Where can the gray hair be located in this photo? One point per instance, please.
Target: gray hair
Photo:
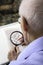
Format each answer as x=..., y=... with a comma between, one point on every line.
x=32, y=11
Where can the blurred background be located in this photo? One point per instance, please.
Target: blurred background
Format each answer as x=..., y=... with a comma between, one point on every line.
x=9, y=11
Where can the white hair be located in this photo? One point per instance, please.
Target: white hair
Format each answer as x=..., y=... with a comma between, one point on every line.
x=32, y=11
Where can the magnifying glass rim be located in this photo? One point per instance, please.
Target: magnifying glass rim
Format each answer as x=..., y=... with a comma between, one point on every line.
x=13, y=42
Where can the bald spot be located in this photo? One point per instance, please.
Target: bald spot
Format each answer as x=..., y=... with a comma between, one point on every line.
x=32, y=11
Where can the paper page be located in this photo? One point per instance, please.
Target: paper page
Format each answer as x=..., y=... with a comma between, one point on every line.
x=5, y=44
x=4, y=47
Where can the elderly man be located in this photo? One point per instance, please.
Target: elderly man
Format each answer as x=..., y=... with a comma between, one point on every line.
x=31, y=13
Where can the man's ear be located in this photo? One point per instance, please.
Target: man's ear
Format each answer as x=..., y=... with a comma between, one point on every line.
x=25, y=25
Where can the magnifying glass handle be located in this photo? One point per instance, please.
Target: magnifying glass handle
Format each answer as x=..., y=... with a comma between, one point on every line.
x=15, y=49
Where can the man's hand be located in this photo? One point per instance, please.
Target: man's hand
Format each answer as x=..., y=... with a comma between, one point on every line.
x=13, y=54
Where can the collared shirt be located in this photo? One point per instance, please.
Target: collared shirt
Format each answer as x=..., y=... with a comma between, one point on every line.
x=31, y=55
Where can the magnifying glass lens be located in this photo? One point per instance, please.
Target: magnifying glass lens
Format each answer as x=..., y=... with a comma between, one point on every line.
x=16, y=38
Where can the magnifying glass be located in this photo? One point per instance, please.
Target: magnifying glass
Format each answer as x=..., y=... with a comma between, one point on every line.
x=17, y=38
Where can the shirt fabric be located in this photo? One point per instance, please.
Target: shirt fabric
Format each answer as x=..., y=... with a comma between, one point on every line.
x=31, y=55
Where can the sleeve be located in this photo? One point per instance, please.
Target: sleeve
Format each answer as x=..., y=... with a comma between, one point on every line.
x=34, y=59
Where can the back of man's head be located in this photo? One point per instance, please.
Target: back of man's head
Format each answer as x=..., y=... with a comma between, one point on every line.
x=32, y=11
